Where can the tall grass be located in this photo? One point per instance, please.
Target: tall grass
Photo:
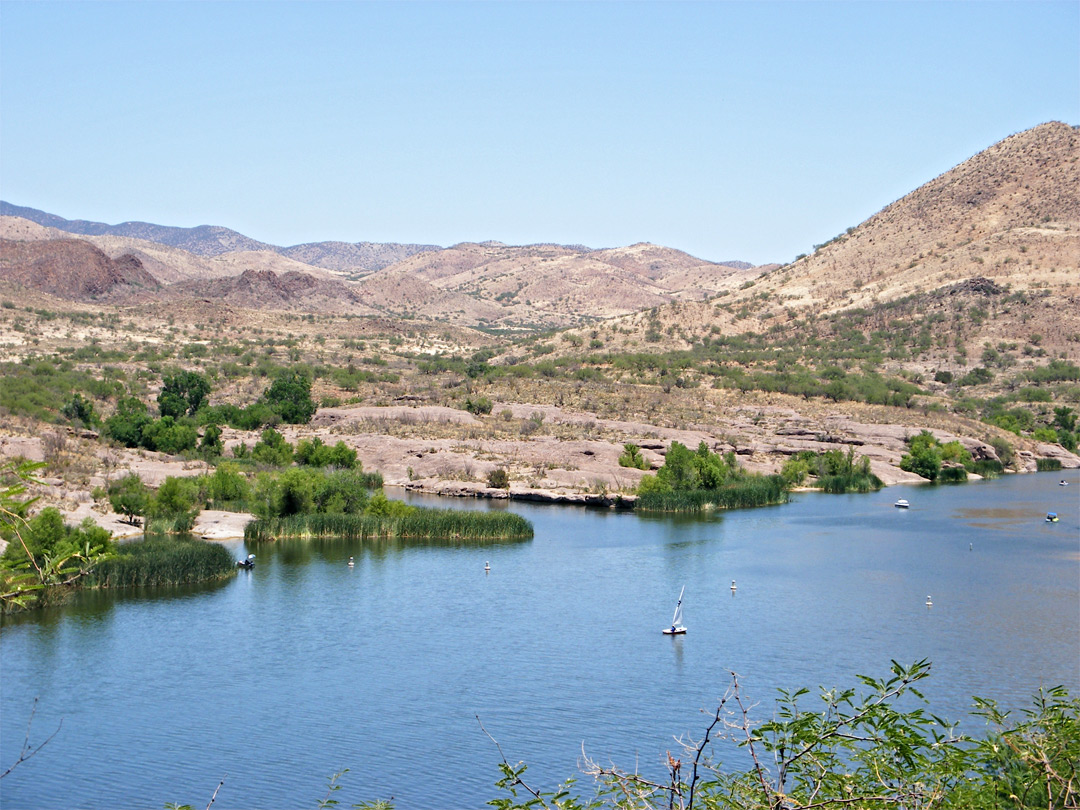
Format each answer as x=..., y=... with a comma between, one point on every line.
x=422, y=523
x=742, y=494
x=952, y=475
x=1047, y=464
x=855, y=482
x=163, y=561
x=987, y=468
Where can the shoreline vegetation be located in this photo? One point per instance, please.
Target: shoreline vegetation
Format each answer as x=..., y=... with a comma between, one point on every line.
x=417, y=523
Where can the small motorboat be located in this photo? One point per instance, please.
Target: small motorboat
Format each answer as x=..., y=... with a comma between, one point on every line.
x=1051, y=517
x=1063, y=483
x=249, y=562
x=902, y=504
x=676, y=628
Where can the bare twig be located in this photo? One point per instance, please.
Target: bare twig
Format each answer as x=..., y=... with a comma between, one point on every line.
x=214, y=797
x=517, y=779
x=27, y=751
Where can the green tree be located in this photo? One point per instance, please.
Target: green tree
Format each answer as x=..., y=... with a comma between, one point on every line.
x=182, y=393
x=679, y=471
x=290, y=397
x=127, y=422
x=211, y=444
x=129, y=496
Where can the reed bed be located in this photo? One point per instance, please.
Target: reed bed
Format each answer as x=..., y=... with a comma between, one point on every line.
x=839, y=484
x=952, y=475
x=987, y=468
x=1048, y=464
x=422, y=523
x=743, y=494
x=163, y=561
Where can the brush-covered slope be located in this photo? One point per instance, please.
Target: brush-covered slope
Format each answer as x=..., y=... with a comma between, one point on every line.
x=989, y=251
x=550, y=285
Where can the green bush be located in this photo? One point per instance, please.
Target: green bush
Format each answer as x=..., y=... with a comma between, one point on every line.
x=631, y=457
x=272, y=449
x=499, y=478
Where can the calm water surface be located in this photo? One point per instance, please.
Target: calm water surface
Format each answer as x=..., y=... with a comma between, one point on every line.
x=304, y=666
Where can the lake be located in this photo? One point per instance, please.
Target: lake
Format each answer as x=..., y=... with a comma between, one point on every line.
x=305, y=666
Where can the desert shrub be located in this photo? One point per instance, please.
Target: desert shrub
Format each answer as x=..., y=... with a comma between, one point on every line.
x=499, y=478
x=182, y=393
x=177, y=502
x=478, y=406
x=631, y=457
x=79, y=409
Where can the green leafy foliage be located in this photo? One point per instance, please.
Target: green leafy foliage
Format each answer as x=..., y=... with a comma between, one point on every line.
x=272, y=449
x=631, y=457
x=129, y=497
x=289, y=396
x=313, y=453
x=924, y=458
x=182, y=393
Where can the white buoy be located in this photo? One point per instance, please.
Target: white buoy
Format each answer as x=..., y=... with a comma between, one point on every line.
x=351, y=563
x=929, y=601
x=971, y=547
x=733, y=586
x=487, y=566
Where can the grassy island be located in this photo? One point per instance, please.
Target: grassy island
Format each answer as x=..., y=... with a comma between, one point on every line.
x=700, y=480
x=411, y=523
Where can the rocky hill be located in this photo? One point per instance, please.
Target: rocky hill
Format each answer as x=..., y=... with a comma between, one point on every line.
x=990, y=249
x=73, y=269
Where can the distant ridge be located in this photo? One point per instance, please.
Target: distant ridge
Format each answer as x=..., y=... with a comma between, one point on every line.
x=214, y=240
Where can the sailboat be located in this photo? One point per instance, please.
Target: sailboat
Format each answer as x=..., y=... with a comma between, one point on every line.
x=676, y=628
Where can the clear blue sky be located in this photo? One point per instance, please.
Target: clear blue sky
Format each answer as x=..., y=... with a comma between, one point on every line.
x=731, y=130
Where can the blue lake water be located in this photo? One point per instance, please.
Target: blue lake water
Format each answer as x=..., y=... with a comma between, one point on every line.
x=303, y=667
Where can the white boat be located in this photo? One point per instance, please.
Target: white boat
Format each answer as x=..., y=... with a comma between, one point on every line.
x=902, y=504
x=676, y=628
x=1063, y=483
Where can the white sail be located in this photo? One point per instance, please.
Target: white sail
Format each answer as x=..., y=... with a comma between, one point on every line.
x=676, y=621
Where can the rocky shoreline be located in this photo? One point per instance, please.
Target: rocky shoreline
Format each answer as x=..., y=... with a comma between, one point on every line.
x=552, y=455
